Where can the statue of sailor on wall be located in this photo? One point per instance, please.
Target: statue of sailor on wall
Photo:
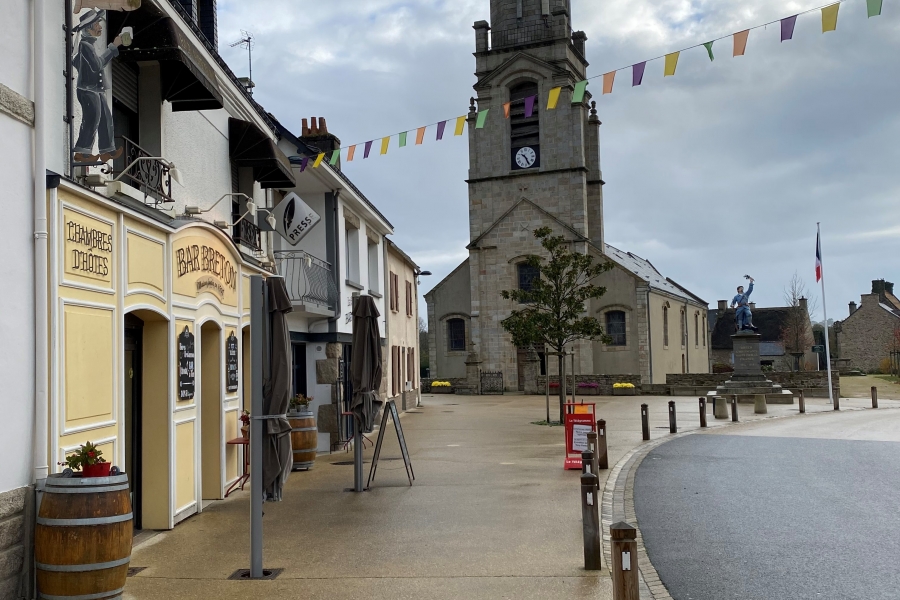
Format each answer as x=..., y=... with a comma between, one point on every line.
x=743, y=318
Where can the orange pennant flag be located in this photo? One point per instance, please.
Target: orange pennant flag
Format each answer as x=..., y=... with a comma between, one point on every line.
x=608, y=79
x=740, y=42
x=506, y=110
x=351, y=152
x=420, y=135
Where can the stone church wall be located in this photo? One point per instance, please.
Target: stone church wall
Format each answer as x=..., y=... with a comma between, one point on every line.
x=866, y=336
x=450, y=300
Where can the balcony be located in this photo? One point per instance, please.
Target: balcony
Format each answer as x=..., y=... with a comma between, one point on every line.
x=149, y=177
x=309, y=280
x=520, y=36
x=247, y=234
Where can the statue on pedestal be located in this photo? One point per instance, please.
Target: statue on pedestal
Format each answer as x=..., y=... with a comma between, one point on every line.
x=743, y=318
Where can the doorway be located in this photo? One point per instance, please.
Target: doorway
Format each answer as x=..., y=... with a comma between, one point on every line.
x=298, y=354
x=211, y=444
x=134, y=330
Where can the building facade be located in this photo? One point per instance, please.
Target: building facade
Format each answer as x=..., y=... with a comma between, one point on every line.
x=402, y=328
x=541, y=168
x=871, y=332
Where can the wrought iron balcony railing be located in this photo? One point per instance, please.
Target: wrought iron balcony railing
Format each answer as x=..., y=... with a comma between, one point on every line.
x=309, y=280
x=151, y=177
x=248, y=234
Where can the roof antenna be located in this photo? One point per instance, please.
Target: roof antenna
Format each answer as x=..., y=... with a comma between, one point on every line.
x=246, y=41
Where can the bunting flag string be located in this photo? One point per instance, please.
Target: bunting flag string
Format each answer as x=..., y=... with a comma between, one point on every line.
x=829, y=15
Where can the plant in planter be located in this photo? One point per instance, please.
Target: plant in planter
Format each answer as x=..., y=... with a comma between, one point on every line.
x=623, y=389
x=588, y=388
x=245, y=419
x=300, y=404
x=441, y=387
x=89, y=460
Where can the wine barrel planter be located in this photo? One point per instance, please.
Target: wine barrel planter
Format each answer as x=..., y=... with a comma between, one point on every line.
x=303, y=439
x=83, y=536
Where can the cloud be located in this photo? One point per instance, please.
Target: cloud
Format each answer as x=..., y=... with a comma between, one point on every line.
x=722, y=170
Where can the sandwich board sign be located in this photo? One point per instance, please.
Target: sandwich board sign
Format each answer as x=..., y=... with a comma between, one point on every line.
x=294, y=218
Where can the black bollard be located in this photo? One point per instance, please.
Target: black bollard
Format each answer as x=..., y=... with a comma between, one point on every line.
x=645, y=422
x=601, y=454
x=874, y=397
x=587, y=463
x=673, y=427
x=702, y=412
x=590, y=517
x=734, y=412
x=802, y=402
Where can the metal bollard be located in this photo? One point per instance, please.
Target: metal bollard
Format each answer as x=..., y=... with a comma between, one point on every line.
x=734, y=412
x=802, y=403
x=645, y=422
x=874, y=397
x=590, y=517
x=623, y=551
x=720, y=407
x=601, y=454
x=673, y=426
x=702, y=412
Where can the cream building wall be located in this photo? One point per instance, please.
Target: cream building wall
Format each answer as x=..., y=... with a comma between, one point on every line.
x=403, y=329
x=682, y=354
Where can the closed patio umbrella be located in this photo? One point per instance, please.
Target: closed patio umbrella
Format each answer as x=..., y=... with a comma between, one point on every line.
x=365, y=376
x=277, y=455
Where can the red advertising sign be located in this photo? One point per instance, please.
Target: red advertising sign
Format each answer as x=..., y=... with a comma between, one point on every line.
x=580, y=420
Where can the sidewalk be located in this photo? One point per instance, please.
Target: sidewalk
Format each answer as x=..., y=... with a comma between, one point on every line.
x=491, y=514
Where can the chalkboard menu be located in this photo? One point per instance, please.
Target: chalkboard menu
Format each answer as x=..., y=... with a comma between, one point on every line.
x=185, y=365
x=231, y=363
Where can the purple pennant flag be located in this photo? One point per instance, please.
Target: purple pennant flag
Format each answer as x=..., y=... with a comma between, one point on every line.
x=787, y=27
x=303, y=163
x=440, y=131
x=637, y=73
x=529, y=106
x=368, y=148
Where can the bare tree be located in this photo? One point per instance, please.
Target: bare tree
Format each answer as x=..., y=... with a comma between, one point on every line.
x=796, y=333
x=424, y=348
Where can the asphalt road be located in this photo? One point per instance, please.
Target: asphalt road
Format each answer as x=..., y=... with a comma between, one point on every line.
x=753, y=517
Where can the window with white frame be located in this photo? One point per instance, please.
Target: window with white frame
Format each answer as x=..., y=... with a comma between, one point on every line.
x=373, y=258
x=352, y=251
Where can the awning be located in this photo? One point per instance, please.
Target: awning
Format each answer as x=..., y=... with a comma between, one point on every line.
x=188, y=82
x=251, y=147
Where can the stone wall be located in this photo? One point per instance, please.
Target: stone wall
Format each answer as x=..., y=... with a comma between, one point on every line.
x=814, y=381
x=866, y=337
x=606, y=382
x=454, y=381
x=14, y=511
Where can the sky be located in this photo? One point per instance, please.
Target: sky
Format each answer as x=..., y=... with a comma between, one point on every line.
x=720, y=171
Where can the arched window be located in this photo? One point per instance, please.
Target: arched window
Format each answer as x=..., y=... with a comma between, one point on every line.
x=526, y=275
x=615, y=327
x=696, y=330
x=684, y=332
x=705, y=330
x=456, y=335
x=665, y=326
x=524, y=131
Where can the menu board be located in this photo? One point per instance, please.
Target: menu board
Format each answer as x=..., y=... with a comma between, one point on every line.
x=231, y=363
x=185, y=365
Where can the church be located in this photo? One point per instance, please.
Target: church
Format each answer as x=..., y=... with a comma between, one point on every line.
x=537, y=168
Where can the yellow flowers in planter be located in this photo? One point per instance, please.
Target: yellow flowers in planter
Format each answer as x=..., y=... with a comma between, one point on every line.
x=440, y=384
x=619, y=386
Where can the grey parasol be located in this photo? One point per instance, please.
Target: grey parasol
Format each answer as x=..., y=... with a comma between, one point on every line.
x=277, y=454
x=365, y=363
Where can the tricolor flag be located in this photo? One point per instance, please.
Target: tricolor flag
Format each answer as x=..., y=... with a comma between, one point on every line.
x=818, y=259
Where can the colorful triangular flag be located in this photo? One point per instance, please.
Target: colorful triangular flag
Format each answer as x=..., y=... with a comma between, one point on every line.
x=482, y=117
x=873, y=7
x=637, y=73
x=554, y=98
x=529, y=106
x=787, y=28
x=829, y=17
x=440, y=130
x=740, y=42
x=671, y=64
x=460, y=125
x=335, y=157
x=506, y=110
x=708, y=46
x=367, y=150
x=578, y=94
x=384, y=144
x=403, y=140
x=304, y=163
x=351, y=153
x=420, y=136
x=318, y=160
x=608, y=80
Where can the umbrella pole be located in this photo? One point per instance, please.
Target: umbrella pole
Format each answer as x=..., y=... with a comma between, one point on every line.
x=357, y=456
x=257, y=323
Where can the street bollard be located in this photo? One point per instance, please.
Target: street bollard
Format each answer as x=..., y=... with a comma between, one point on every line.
x=802, y=403
x=593, y=449
x=587, y=463
x=645, y=422
x=759, y=404
x=702, y=412
x=720, y=407
x=623, y=551
x=590, y=517
x=673, y=426
x=734, y=412
x=874, y=397
x=601, y=454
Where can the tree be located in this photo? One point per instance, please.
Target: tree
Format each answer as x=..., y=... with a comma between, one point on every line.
x=796, y=333
x=554, y=312
x=424, y=348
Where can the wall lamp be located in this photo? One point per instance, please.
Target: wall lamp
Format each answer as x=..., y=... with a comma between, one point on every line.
x=174, y=173
x=196, y=210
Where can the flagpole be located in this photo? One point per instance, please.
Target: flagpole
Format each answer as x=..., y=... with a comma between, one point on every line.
x=825, y=312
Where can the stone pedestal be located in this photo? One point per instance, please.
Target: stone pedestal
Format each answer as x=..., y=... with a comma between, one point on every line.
x=720, y=407
x=748, y=380
x=532, y=368
x=759, y=404
x=472, y=386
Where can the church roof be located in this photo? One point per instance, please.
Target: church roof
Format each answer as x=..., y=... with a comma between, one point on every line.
x=643, y=269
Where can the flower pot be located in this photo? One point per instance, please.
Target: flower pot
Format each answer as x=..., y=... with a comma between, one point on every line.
x=587, y=391
x=245, y=431
x=442, y=390
x=624, y=391
x=98, y=470
x=304, y=439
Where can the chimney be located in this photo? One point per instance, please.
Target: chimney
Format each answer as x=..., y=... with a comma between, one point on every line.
x=481, y=35
x=852, y=307
x=315, y=135
x=723, y=305
x=207, y=20
x=190, y=7
x=578, y=40
x=753, y=306
x=879, y=286
x=804, y=305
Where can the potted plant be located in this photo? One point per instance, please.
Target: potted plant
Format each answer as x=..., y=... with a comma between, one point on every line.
x=304, y=439
x=588, y=388
x=623, y=389
x=89, y=460
x=299, y=404
x=441, y=387
x=245, y=419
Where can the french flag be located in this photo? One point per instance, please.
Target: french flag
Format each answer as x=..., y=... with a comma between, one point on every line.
x=818, y=259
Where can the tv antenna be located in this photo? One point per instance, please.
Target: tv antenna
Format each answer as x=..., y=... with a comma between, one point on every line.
x=246, y=41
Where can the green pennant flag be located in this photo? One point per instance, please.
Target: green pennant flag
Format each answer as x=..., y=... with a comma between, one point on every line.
x=874, y=7
x=403, y=139
x=335, y=156
x=482, y=117
x=578, y=94
x=708, y=46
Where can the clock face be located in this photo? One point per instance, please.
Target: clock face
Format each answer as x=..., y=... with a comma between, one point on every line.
x=526, y=157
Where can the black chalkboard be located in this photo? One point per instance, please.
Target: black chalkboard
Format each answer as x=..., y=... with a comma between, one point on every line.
x=186, y=365
x=391, y=408
x=231, y=363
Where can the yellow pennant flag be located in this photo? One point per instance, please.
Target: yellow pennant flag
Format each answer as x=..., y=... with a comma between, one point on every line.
x=829, y=17
x=740, y=42
x=608, y=80
x=554, y=98
x=384, y=144
x=460, y=125
x=318, y=160
x=351, y=152
x=671, y=63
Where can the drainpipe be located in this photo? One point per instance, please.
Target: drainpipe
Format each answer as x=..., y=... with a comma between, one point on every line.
x=41, y=259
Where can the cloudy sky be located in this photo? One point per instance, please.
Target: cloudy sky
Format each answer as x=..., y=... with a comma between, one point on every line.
x=719, y=171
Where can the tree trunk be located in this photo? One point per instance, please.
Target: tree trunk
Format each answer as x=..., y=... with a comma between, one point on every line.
x=562, y=386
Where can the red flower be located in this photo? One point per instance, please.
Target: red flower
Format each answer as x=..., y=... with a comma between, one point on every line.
x=91, y=454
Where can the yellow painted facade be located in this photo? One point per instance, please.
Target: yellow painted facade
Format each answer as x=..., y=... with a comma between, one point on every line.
x=114, y=272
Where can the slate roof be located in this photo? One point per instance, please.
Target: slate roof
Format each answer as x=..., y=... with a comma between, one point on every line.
x=770, y=321
x=645, y=270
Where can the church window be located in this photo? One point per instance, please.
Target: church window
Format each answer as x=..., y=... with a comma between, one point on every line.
x=524, y=131
x=696, y=331
x=615, y=327
x=705, y=329
x=527, y=274
x=456, y=335
x=666, y=326
x=684, y=332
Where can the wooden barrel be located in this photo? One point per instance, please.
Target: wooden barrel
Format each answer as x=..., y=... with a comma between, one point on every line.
x=82, y=539
x=303, y=439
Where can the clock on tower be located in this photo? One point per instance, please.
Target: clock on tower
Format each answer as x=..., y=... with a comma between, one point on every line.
x=526, y=157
